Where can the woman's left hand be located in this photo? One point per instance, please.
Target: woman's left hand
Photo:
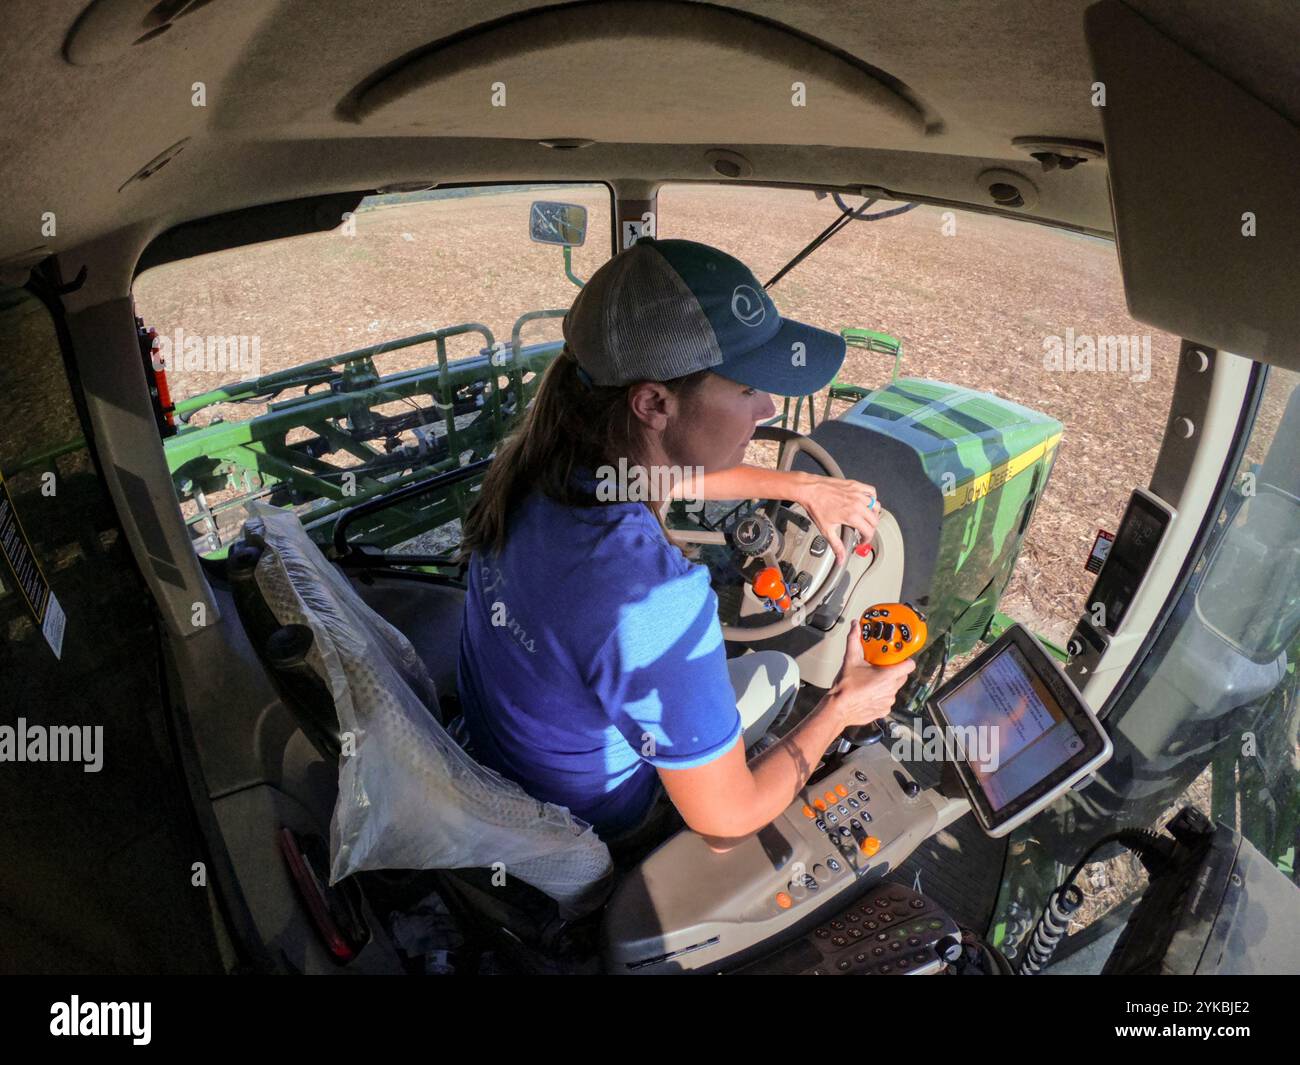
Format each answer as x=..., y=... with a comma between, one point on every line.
x=832, y=501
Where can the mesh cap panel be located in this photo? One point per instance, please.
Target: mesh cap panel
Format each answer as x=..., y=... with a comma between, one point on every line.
x=636, y=320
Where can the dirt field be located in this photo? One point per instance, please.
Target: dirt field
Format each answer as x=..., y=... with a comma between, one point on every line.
x=971, y=307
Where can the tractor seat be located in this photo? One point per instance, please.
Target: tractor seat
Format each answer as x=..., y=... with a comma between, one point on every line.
x=428, y=611
x=409, y=796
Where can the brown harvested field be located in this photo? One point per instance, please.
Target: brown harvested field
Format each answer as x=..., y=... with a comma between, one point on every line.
x=971, y=307
x=409, y=269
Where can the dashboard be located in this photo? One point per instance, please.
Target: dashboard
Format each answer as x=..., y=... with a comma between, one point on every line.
x=811, y=885
x=688, y=908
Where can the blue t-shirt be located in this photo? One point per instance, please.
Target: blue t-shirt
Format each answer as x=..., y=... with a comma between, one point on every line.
x=591, y=653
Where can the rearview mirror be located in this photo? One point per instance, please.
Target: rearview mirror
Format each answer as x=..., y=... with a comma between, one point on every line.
x=558, y=223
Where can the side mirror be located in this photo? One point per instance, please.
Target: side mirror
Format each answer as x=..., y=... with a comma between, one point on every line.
x=557, y=223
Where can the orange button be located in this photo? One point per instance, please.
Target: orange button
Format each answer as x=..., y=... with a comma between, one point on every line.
x=830, y=798
x=819, y=804
x=809, y=812
x=841, y=790
x=783, y=900
x=870, y=845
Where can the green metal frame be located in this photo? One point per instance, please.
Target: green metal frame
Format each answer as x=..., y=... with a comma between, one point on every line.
x=474, y=401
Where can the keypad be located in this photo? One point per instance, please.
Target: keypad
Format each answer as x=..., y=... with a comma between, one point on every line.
x=839, y=810
x=889, y=931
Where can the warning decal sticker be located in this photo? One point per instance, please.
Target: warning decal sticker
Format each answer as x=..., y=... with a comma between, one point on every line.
x=32, y=585
x=1100, y=551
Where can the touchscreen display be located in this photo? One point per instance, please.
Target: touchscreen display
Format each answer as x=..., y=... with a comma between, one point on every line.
x=1010, y=729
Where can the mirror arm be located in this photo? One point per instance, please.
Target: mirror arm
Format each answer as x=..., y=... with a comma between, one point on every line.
x=568, y=267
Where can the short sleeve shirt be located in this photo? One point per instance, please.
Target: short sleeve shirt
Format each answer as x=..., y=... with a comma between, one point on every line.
x=590, y=654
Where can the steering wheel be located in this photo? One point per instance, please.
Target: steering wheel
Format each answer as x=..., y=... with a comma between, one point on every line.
x=774, y=534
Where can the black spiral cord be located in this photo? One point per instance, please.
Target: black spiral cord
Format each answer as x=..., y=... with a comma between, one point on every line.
x=1050, y=929
x=1152, y=848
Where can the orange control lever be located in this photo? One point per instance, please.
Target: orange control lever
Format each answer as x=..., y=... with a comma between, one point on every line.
x=769, y=584
x=892, y=633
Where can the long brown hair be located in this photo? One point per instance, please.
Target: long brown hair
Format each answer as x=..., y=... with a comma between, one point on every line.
x=569, y=426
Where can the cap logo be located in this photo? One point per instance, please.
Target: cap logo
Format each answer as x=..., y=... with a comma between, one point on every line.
x=747, y=305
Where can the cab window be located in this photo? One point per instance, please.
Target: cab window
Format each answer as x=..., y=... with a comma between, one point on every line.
x=320, y=371
x=1032, y=314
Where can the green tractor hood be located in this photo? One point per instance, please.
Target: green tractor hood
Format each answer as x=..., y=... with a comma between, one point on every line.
x=961, y=472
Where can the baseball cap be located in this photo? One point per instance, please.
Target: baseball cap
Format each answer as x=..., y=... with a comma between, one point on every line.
x=662, y=309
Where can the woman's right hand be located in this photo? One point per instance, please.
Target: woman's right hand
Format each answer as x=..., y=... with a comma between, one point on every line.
x=862, y=692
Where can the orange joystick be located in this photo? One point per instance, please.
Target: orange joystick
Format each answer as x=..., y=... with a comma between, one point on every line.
x=891, y=633
x=770, y=585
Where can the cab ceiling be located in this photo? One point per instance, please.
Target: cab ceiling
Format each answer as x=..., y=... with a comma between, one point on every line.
x=304, y=97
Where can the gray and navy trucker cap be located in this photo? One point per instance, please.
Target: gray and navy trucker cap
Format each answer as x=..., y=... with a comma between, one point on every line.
x=666, y=308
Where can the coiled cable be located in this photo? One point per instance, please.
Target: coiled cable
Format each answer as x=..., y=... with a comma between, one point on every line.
x=1050, y=928
x=1152, y=848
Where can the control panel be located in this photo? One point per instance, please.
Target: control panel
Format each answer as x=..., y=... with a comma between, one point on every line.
x=890, y=931
x=690, y=908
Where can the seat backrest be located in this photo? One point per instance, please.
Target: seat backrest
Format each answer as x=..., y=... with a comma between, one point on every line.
x=409, y=796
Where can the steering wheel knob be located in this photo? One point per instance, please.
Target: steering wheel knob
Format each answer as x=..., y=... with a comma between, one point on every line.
x=770, y=585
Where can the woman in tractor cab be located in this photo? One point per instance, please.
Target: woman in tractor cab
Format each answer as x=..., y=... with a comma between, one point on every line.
x=592, y=665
